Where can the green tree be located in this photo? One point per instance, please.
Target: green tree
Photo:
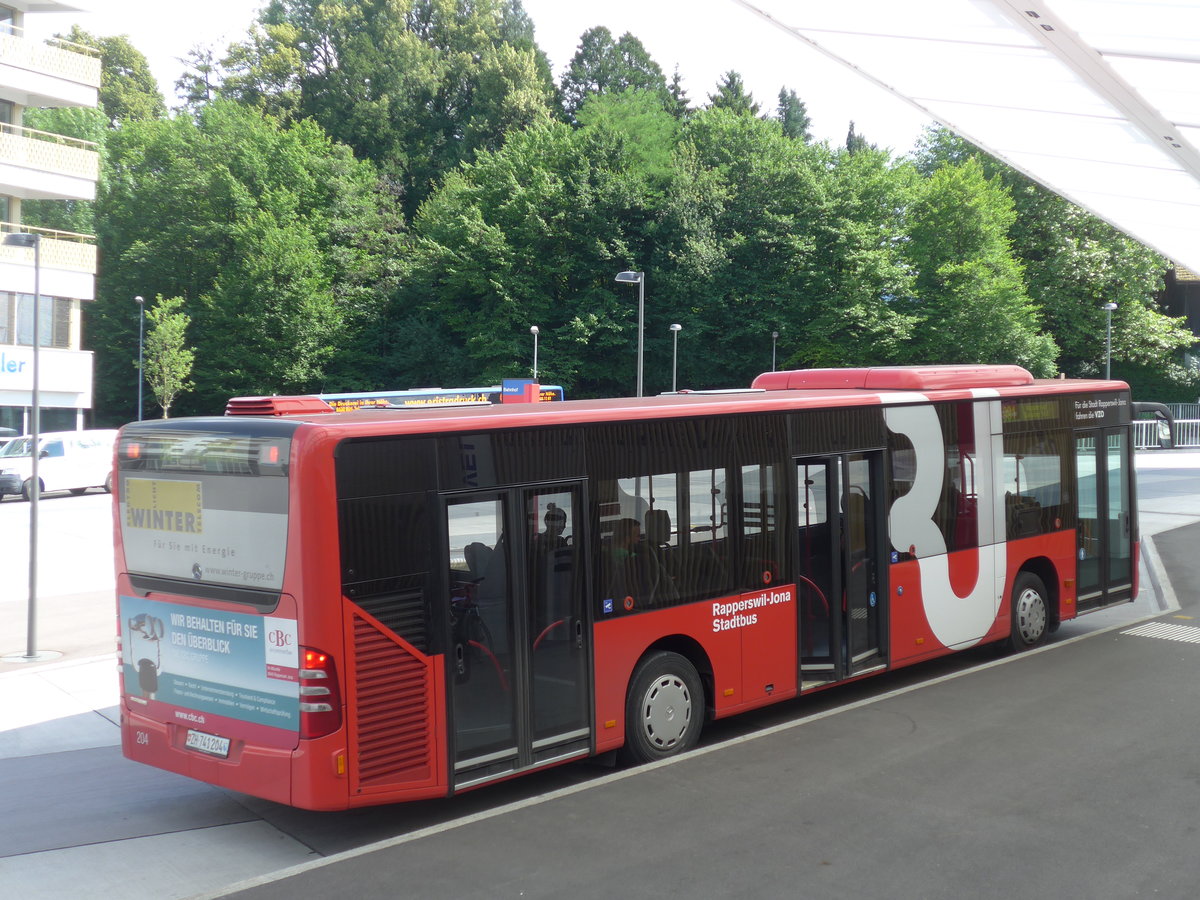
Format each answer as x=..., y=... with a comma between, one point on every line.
x=732, y=95
x=417, y=86
x=793, y=116
x=602, y=65
x=200, y=80
x=168, y=359
x=1074, y=263
x=531, y=234
x=760, y=233
x=650, y=132
x=855, y=142
x=970, y=299
x=284, y=239
x=680, y=106
x=128, y=90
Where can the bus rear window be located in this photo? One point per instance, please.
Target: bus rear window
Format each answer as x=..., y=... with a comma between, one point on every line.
x=210, y=507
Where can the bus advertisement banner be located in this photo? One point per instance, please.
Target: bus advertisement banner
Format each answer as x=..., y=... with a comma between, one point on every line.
x=221, y=673
x=544, y=393
x=213, y=528
x=1102, y=410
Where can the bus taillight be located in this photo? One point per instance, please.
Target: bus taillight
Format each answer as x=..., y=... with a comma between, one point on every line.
x=320, y=696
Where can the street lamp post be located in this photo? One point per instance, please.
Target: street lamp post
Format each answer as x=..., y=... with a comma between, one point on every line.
x=141, y=332
x=22, y=239
x=1108, y=309
x=774, y=338
x=638, y=278
x=533, y=329
x=675, y=329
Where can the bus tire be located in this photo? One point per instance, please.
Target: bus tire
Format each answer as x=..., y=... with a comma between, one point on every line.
x=664, y=709
x=1030, y=613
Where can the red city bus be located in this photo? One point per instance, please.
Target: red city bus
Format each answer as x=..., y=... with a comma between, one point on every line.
x=331, y=610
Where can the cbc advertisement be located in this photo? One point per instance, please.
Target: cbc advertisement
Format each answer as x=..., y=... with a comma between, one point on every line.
x=225, y=673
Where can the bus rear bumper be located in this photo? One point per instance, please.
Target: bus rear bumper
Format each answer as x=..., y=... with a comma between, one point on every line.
x=259, y=771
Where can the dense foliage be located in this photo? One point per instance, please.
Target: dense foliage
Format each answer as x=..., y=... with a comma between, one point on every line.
x=390, y=193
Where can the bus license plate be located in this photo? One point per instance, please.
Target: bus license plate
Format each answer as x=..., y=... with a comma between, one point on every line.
x=207, y=743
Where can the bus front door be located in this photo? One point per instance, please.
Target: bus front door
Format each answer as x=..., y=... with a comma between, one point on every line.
x=518, y=660
x=839, y=540
x=1103, y=474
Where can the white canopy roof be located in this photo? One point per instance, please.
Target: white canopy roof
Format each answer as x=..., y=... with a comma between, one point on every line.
x=1099, y=100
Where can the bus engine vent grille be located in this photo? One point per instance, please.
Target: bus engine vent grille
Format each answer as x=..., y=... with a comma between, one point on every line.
x=400, y=609
x=392, y=710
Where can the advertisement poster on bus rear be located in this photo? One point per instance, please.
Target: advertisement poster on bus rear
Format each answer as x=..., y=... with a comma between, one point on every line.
x=210, y=528
x=228, y=673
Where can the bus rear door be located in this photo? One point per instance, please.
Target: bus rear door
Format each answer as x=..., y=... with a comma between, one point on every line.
x=519, y=645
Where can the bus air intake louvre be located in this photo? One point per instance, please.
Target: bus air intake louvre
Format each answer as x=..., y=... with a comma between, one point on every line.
x=392, y=714
x=276, y=406
x=401, y=611
x=1188, y=634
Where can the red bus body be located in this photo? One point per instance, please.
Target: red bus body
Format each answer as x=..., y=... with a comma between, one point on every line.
x=331, y=610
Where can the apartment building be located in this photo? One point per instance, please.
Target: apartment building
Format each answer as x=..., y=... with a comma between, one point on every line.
x=38, y=165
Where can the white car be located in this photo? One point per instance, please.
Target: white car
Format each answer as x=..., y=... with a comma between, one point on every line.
x=67, y=461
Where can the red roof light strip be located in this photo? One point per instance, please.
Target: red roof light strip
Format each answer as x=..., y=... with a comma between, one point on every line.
x=896, y=378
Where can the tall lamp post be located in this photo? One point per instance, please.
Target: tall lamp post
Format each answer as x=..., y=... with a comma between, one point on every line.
x=22, y=239
x=675, y=329
x=533, y=329
x=141, y=343
x=774, y=338
x=1108, y=309
x=638, y=278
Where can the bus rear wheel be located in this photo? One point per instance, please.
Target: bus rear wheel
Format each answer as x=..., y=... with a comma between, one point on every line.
x=664, y=709
x=1030, y=612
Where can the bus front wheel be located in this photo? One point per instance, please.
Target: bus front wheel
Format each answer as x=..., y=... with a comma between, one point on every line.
x=664, y=709
x=1030, y=612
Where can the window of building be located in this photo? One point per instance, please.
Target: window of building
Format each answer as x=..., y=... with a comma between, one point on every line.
x=16, y=321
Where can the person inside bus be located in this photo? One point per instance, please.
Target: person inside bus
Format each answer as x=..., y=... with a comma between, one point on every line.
x=635, y=575
x=551, y=565
x=556, y=523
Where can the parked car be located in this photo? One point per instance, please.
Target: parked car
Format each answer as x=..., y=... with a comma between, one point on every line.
x=67, y=461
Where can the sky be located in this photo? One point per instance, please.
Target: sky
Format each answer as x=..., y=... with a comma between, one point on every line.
x=704, y=38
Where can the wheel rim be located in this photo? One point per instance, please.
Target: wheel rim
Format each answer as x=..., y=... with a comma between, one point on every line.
x=666, y=711
x=1031, y=615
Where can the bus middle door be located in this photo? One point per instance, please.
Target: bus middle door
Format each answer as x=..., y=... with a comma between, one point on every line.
x=839, y=537
x=518, y=656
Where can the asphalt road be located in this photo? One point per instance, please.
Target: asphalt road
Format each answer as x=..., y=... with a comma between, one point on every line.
x=1068, y=771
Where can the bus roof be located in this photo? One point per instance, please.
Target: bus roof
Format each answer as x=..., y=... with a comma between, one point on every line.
x=773, y=391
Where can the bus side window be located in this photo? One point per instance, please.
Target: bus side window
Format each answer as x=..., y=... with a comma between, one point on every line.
x=762, y=539
x=704, y=562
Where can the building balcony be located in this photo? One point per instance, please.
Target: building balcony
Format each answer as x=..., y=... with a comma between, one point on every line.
x=37, y=165
x=68, y=264
x=53, y=73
